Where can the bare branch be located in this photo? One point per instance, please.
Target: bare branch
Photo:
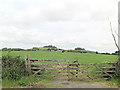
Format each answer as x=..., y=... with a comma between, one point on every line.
x=114, y=36
x=117, y=34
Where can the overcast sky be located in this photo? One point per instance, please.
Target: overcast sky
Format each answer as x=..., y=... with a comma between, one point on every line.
x=64, y=23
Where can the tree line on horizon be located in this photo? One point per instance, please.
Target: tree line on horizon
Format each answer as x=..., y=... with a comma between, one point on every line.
x=54, y=48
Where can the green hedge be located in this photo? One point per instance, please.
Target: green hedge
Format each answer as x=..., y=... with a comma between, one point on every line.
x=13, y=67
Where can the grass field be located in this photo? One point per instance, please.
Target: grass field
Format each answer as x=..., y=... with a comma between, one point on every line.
x=82, y=57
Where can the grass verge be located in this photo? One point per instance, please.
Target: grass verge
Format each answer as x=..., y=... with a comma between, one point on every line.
x=24, y=82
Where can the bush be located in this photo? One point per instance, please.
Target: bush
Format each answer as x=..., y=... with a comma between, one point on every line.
x=13, y=67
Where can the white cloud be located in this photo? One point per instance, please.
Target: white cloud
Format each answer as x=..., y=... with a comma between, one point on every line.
x=65, y=23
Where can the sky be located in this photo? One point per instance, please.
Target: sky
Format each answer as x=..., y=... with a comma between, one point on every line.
x=66, y=24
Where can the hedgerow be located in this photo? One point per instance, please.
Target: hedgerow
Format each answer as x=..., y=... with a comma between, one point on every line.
x=13, y=67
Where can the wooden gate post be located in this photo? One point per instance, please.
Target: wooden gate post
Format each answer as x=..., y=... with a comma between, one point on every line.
x=28, y=63
x=118, y=68
x=68, y=71
x=77, y=69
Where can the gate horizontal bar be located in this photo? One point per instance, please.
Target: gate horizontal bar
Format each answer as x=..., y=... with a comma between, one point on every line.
x=50, y=75
x=52, y=60
x=88, y=67
x=91, y=64
x=55, y=71
x=47, y=64
x=46, y=68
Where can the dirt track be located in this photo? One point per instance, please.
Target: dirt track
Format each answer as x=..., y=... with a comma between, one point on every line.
x=62, y=82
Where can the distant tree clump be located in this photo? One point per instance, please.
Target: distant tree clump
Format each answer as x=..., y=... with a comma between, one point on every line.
x=35, y=49
x=96, y=52
x=28, y=49
x=12, y=49
x=116, y=51
x=50, y=46
x=78, y=48
x=63, y=51
x=4, y=49
x=108, y=53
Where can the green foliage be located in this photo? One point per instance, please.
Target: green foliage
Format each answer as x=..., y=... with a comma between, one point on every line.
x=82, y=57
x=35, y=48
x=114, y=83
x=117, y=52
x=96, y=52
x=22, y=83
x=13, y=67
x=12, y=49
x=80, y=51
x=25, y=80
x=63, y=51
x=4, y=49
x=29, y=50
x=114, y=53
x=50, y=46
x=78, y=48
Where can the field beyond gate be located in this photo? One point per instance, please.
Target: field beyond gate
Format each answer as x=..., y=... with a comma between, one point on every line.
x=70, y=68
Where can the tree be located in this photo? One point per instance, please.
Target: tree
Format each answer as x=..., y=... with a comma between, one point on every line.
x=50, y=46
x=114, y=37
x=117, y=52
x=63, y=51
x=96, y=52
x=78, y=48
x=118, y=63
x=9, y=49
x=4, y=49
x=35, y=48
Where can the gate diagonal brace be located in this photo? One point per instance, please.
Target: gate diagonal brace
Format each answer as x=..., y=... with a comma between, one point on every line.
x=85, y=74
x=40, y=70
x=37, y=71
x=103, y=71
x=72, y=73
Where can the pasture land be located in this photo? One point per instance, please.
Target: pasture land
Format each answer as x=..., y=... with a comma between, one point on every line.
x=82, y=57
x=47, y=55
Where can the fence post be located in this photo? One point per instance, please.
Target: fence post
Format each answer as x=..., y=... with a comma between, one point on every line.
x=28, y=63
x=68, y=71
x=77, y=69
x=118, y=67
